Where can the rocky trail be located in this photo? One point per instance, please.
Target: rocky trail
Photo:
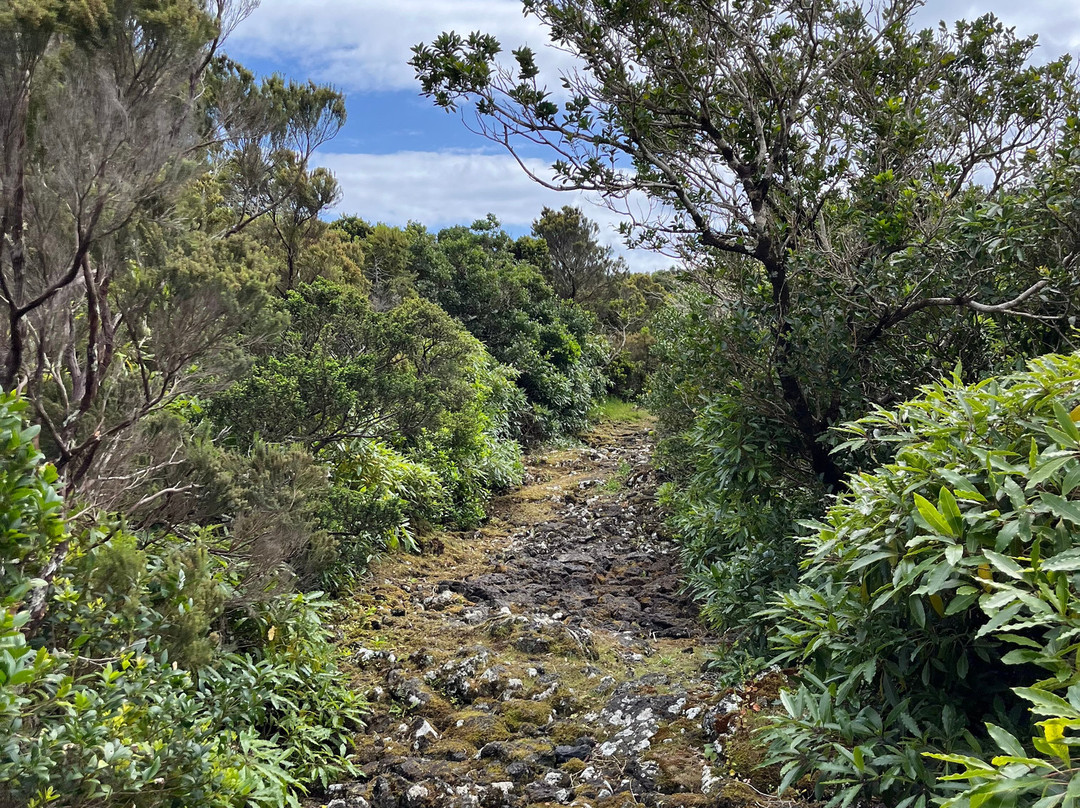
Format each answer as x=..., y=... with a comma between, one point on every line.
x=549, y=658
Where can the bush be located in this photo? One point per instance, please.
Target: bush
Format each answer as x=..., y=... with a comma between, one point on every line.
x=405, y=413
x=483, y=278
x=921, y=579
x=145, y=682
x=737, y=484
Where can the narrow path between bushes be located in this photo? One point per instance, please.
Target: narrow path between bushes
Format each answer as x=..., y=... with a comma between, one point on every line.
x=549, y=658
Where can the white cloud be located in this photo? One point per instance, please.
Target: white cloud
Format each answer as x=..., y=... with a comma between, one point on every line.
x=1057, y=22
x=440, y=189
x=365, y=44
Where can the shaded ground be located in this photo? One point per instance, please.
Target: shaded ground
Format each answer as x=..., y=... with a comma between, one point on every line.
x=549, y=657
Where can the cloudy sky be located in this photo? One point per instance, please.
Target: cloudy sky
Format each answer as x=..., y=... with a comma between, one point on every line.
x=400, y=158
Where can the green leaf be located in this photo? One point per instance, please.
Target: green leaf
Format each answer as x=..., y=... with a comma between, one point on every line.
x=1067, y=561
x=1062, y=508
x=1005, y=564
x=1065, y=421
x=933, y=518
x=1045, y=470
x=1006, y=742
x=1046, y=703
x=947, y=506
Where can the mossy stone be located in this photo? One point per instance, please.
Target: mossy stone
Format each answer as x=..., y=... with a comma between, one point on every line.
x=521, y=713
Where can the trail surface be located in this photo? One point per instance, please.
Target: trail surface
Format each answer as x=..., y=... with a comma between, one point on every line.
x=549, y=658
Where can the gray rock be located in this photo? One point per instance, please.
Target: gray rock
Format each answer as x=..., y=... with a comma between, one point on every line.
x=539, y=792
x=423, y=734
x=570, y=752
x=518, y=770
x=496, y=750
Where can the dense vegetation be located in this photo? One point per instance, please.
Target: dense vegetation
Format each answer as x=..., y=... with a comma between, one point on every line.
x=220, y=406
x=862, y=209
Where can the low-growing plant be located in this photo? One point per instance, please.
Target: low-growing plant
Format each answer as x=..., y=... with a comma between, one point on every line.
x=144, y=682
x=931, y=594
x=612, y=409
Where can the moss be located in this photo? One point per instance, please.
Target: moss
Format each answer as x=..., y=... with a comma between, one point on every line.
x=567, y=732
x=520, y=713
x=573, y=766
x=745, y=753
x=449, y=749
x=623, y=799
x=682, y=731
x=440, y=712
x=500, y=629
x=735, y=794
x=477, y=728
x=687, y=801
x=680, y=769
x=528, y=749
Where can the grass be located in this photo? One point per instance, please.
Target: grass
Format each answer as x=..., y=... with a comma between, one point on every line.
x=618, y=480
x=612, y=409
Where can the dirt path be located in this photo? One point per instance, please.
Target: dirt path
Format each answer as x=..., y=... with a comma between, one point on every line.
x=548, y=658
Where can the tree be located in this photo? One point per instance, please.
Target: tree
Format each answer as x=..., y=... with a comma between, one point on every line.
x=850, y=181
x=503, y=300
x=579, y=267
x=114, y=118
x=100, y=114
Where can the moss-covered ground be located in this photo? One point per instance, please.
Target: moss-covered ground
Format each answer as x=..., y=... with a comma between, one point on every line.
x=549, y=657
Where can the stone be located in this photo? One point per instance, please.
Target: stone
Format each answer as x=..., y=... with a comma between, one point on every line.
x=568, y=752
x=416, y=796
x=496, y=750
x=423, y=734
x=518, y=770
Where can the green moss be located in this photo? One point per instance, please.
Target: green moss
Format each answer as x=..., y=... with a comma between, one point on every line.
x=520, y=713
x=573, y=766
x=567, y=732
x=525, y=748
x=477, y=728
x=449, y=749
x=735, y=794
x=680, y=768
x=440, y=712
x=745, y=753
x=688, y=801
x=623, y=799
x=612, y=409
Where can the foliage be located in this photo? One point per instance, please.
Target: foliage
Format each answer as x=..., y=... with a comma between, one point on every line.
x=578, y=267
x=369, y=392
x=613, y=409
x=128, y=691
x=859, y=204
x=506, y=304
x=240, y=402
x=920, y=581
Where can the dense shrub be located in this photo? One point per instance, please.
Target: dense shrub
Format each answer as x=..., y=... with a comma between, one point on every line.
x=941, y=580
x=737, y=481
x=145, y=681
x=483, y=279
x=405, y=412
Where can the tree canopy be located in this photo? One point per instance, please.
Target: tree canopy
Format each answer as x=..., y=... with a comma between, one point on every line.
x=845, y=175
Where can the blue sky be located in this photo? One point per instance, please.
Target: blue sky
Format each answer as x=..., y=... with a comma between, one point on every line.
x=399, y=158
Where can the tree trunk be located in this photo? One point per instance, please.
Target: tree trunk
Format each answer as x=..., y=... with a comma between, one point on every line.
x=811, y=429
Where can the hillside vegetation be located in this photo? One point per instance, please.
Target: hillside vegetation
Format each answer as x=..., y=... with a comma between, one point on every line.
x=863, y=208
x=219, y=404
